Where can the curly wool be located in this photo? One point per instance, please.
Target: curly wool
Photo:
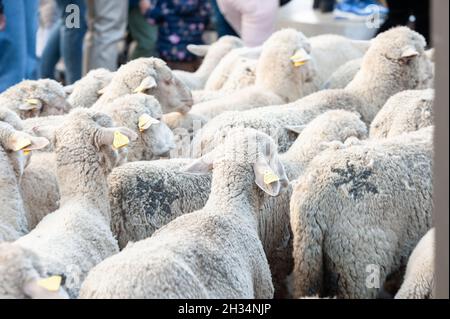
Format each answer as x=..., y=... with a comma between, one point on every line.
x=420, y=274
x=359, y=209
x=49, y=92
x=343, y=75
x=86, y=91
x=406, y=111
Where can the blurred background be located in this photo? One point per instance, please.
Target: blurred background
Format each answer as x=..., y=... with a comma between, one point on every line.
x=64, y=39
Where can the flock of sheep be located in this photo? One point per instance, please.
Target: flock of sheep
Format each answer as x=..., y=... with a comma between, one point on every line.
x=300, y=168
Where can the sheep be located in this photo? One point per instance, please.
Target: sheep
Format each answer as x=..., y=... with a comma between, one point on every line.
x=10, y=117
x=151, y=76
x=39, y=187
x=330, y=51
x=142, y=113
x=419, y=278
x=15, y=148
x=85, y=92
x=395, y=62
x=404, y=112
x=343, y=75
x=358, y=211
x=220, y=75
x=163, y=193
x=212, y=54
x=214, y=252
x=73, y=239
x=282, y=68
x=35, y=98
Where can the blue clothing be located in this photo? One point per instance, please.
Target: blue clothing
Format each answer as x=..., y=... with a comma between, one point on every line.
x=181, y=22
x=18, y=59
x=66, y=43
x=222, y=25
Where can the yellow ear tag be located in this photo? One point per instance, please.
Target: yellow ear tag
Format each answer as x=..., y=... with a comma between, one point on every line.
x=120, y=140
x=32, y=101
x=51, y=283
x=298, y=64
x=26, y=152
x=270, y=177
x=145, y=121
x=21, y=143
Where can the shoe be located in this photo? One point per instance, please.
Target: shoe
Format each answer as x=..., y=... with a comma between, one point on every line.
x=358, y=10
x=327, y=6
x=316, y=4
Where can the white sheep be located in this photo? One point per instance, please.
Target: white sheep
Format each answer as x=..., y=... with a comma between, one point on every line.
x=358, y=211
x=420, y=273
x=220, y=75
x=35, y=98
x=212, y=54
x=211, y=253
x=343, y=75
x=150, y=76
x=395, y=62
x=10, y=117
x=86, y=91
x=73, y=239
x=404, y=112
x=281, y=71
x=15, y=147
x=142, y=114
x=146, y=196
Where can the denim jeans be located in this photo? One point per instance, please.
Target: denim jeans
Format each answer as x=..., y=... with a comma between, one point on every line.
x=18, y=42
x=66, y=43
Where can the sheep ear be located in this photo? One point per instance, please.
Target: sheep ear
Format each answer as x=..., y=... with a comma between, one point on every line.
x=117, y=137
x=22, y=141
x=47, y=288
x=146, y=84
x=198, y=50
x=408, y=54
x=202, y=165
x=145, y=121
x=295, y=128
x=30, y=104
x=271, y=178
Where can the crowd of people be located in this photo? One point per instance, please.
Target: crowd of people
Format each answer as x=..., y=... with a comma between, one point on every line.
x=86, y=34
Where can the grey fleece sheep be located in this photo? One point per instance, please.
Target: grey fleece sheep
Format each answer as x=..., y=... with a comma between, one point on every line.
x=86, y=91
x=282, y=69
x=395, y=62
x=343, y=75
x=146, y=196
x=151, y=76
x=142, y=114
x=35, y=98
x=212, y=54
x=357, y=213
x=73, y=239
x=406, y=111
x=211, y=253
x=419, y=279
x=14, y=156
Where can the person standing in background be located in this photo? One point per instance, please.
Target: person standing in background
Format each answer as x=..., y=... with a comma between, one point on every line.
x=145, y=34
x=401, y=10
x=180, y=22
x=66, y=41
x=253, y=20
x=19, y=22
x=107, y=22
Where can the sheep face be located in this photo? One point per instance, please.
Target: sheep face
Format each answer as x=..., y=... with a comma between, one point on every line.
x=40, y=98
x=17, y=147
x=403, y=53
x=171, y=92
x=88, y=134
x=250, y=150
x=22, y=276
x=156, y=135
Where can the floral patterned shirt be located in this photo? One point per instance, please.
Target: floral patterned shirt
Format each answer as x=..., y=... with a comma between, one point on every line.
x=180, y=22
